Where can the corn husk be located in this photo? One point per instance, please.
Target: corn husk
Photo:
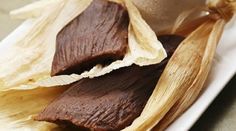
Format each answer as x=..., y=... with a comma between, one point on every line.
x=19, y=106
x=197, y=87
x=36, y=45
x=178, y=75
x=185, y=74
x=32, y=10
x=192, y=92
x=161, y=14
x=144, y=49
x=27, y=53
x=26, y=57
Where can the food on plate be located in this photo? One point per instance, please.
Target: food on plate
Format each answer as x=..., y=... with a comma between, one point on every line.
x=109, y=102
x=98, y=65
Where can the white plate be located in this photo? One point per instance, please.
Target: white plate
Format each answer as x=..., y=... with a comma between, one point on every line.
x=224, y=68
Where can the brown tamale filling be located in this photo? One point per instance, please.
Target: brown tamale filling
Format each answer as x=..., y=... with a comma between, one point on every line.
x=109, y=102
x=97, y=36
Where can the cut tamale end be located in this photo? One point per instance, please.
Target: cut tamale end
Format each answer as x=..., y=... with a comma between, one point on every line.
x=143, y=49
x=109, y=102
x=97, y=36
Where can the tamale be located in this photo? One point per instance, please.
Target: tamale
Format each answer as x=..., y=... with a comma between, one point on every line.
x=109, y=102
x=143, y=49
x=97, y=36
x=192, y=93
x=28, y=51
x=182, y=80
x=35, y=40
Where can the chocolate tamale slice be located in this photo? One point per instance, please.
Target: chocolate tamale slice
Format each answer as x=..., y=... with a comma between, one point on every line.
x=109, y=102
x=97, y=36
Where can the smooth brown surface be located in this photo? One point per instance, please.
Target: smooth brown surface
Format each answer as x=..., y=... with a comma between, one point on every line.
x=109, y=102
x=97, y=36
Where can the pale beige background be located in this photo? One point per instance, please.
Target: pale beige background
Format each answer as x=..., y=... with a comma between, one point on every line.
x=221, y=116
x=6, y=24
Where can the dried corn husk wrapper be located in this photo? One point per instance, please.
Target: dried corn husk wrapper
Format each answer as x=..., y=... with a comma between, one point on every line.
x=27, y=53
x=184, y=76
x=19, y=106
x=31, y=55
x=161, y=14
x=32, y=45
